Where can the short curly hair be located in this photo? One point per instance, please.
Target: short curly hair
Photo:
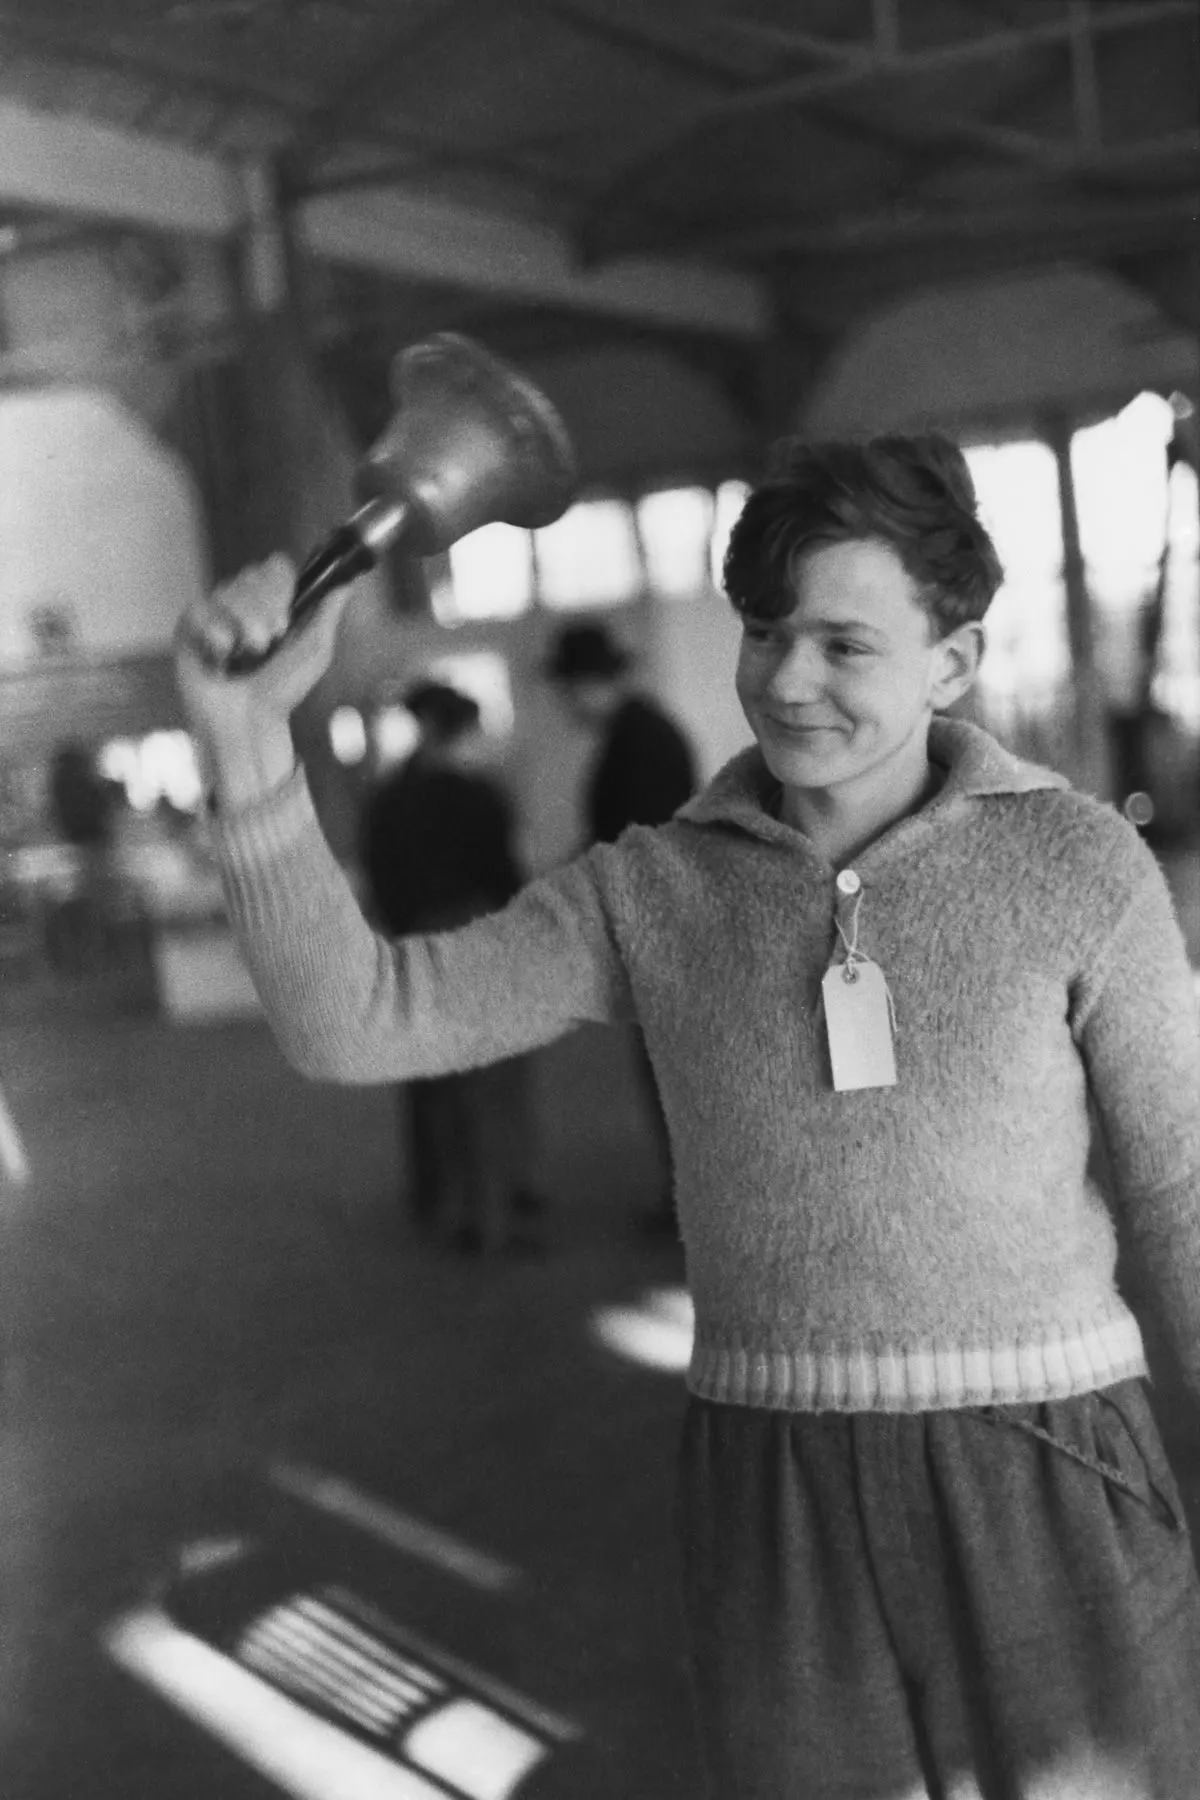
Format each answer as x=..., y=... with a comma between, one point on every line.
x=914, y=494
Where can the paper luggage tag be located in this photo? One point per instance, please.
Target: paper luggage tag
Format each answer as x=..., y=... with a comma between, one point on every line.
x=858, y=1020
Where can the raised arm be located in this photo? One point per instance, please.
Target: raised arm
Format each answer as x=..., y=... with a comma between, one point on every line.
x=345, y=1003
x=242, y=722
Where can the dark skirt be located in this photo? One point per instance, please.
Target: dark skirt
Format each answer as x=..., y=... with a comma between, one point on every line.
x=994, y=1602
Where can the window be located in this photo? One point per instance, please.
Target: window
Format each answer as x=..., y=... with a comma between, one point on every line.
x=675, y=526
x=490, y=577
x=1176, y=685
x=589, y=557
x=394, y=734
x=347, y=735
x=160, y=766
x=1137, y=527
x=730, y=499
x=1028, y=660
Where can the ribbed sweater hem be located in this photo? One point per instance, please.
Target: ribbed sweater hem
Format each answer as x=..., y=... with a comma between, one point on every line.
x=920, y=1378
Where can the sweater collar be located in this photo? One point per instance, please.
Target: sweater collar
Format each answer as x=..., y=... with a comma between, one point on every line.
x=745, y=793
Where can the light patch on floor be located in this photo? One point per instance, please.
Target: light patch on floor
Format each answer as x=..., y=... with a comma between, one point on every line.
x=390, y=1525
x=13, y=1159
x=305, y=1756
x=657, y=1334
x=467, y=1749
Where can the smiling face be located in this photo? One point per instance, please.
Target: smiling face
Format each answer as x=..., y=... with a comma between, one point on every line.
x=840, y=690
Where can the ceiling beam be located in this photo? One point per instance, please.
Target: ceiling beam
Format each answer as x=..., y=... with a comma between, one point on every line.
x=63, y=163
x=641, y=32
x=73, y=166
x=75, y=37
x=1079, y=158
x=256, y=94
x=776, y=45
x=1121, y=174
x=439, y=157
x=1085, y=81
x=359, y=93
x=403, y=234
x=1136, y=223
x=853, y=68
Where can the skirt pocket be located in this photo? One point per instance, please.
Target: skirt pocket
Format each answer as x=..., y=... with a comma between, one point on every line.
x=1135, y=1521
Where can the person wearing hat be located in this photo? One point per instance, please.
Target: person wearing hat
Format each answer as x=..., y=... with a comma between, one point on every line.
x=643, y=770
x=642, y=773
x=436, y=850
x=436, y=837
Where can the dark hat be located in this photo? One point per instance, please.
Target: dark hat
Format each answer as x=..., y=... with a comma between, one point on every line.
x=583, y=652
x=444, y=709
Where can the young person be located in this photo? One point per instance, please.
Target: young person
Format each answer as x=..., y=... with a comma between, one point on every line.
x=931, y=1544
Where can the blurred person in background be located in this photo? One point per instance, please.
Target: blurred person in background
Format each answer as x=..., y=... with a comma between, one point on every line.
x=931, y=1542
x=643, y=769
x=641, y=773
x=436, y=852
x=85, y=808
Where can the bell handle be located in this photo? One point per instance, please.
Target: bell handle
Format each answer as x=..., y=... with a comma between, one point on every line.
x=345, y=554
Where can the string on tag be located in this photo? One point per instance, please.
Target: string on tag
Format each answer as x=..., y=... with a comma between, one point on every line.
x=855, y=958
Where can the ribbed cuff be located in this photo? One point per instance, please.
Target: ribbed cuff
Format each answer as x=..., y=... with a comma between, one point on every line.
x=265, y=852
x=267, y=826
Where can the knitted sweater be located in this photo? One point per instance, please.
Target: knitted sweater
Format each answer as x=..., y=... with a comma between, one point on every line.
x=931, y=1244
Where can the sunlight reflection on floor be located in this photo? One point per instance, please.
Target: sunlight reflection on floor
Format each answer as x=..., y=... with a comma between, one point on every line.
x=657, y=1334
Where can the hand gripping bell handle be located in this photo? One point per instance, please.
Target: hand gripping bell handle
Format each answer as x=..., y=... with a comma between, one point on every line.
x=346, y=553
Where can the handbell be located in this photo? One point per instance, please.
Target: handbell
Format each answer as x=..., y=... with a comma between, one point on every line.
x=471, y=442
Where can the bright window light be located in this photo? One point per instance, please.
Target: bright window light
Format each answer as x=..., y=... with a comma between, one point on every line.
x=1176, y=686
x=394, y=735
x=1028, y=658
x=589, y=557
x=347, y=735
x=730, y=499
x=118, y=761
x=160, y=766
x=1137, y=527
x=1119, y=468
x=491, y=577
x=676, y=528
x=170, y=760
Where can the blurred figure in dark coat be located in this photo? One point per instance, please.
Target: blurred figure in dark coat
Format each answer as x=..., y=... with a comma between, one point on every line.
x=644, y=769
x=642, y=773
x=84, y=806
x=437, y=851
